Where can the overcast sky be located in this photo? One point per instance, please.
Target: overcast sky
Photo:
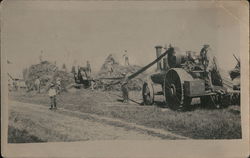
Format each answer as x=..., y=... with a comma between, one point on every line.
x=69, y=31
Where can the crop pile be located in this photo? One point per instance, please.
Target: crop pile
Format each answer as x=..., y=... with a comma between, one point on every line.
x=47, y=73
x=118, y=71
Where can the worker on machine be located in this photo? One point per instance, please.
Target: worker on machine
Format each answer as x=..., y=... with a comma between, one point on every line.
x=208, y=80
x=213, y=75
x=83, y=73
x=109, y=68
x=126, y=60
x=189, y=56
x=124, y=88
x=88, y=67
x=203, y=55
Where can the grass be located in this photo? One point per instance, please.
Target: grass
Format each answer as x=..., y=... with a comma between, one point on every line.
x=197, y=124
x=21, y=136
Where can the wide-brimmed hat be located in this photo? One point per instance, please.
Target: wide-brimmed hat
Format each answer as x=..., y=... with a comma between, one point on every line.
x=206, y=45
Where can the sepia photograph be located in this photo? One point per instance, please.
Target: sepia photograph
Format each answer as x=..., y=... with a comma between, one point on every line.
x=79, y=71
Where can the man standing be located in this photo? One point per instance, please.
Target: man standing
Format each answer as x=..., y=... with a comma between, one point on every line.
x=126, y=62
x=52, y=95
x=203, y=54
x=88, y=67
x=90, y=78
x=209, y=67
x=124, y=88
x=109, y=68
x=37, y=84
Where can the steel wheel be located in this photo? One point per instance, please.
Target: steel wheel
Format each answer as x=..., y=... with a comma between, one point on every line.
x=174, y=90
x=148, y=94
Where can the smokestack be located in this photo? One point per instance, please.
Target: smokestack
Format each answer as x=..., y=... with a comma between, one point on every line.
x=158, y=53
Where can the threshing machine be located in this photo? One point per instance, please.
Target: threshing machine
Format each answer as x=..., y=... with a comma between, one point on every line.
x=82, y=77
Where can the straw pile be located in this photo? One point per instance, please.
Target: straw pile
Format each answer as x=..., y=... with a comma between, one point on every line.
x=47, y=73
x=117, y=72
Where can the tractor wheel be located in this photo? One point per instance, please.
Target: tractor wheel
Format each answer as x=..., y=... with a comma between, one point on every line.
x=174, y=89
x=148, y=94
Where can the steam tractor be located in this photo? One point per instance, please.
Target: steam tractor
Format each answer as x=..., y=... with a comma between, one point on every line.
x=182, y=77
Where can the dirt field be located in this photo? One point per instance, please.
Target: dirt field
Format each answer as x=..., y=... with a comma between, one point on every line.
x=94, y=109
x=62, y=125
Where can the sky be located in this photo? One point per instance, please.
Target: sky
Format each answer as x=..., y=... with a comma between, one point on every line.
x=73, y=32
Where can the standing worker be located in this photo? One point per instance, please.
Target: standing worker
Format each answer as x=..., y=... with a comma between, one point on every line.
x=52, y=95
x=88, y=66
x=109, y=68
x=124, y=88
x=90, y=78
x=37, y=84
x=203, y=54
x=111, y=58
x=211, y=70
x=126, y=62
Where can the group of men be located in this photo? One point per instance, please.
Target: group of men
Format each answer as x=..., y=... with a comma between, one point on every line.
x=124, y=83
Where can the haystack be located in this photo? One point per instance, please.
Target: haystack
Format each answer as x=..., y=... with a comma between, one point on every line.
x=47, y=73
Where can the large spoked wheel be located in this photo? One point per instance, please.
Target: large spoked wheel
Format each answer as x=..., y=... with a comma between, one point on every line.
x=148, y=94
x=174, y=89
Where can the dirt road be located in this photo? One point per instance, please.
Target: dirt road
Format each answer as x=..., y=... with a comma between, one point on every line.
x=65, y=125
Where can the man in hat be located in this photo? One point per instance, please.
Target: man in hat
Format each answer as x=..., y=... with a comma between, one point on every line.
x=52, y=95
x=203, y=54
x=124, y=88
